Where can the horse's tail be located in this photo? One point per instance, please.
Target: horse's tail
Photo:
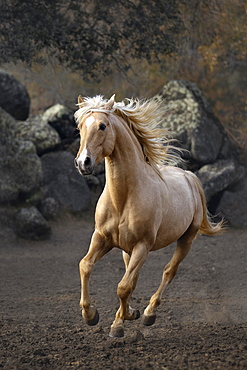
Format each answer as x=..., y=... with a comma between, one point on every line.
x=207, y=227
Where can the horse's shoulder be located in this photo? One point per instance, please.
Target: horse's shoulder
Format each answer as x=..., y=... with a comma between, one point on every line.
x=172, y=171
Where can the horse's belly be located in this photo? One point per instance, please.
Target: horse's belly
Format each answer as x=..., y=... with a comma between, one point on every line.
x=173, y=225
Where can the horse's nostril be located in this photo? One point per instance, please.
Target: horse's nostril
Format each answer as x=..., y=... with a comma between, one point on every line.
x=87, y=162
x=75, y=162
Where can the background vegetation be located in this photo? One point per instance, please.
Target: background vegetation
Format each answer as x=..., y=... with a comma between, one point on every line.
x=59, y=49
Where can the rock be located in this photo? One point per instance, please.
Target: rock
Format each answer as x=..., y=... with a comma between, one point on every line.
x=64, y=183
x=7, y=222
x=219, y=176
x=62, y=120
x=233, y=205
x=74, y=147
x=37, y=130
x=30, y=224
x=190, y=120
x=14, y=97
x=20, y=167
x=49, y=208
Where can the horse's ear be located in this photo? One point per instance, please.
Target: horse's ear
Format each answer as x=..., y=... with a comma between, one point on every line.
x=80, y=101
x=110, y=102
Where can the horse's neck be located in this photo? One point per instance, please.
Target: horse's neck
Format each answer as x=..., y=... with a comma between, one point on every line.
x=125, y=166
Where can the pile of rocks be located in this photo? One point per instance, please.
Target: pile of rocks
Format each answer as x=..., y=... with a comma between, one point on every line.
x=37, y=174
x=211, y=155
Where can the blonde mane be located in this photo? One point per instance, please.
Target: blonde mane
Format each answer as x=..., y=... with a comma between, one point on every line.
x=145, y=118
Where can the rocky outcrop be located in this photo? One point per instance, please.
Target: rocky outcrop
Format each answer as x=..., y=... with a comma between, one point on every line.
x=64, y=183
x=20, y=166
x=14, y=97
x=36, y=182
x=39, y=132
x=219, y=176
x=62, y=120
x=233, y=204
x=192, y=123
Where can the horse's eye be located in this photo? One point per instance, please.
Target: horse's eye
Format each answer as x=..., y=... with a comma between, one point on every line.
x=102, y=127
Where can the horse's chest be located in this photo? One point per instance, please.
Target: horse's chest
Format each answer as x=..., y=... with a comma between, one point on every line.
x=125, y=234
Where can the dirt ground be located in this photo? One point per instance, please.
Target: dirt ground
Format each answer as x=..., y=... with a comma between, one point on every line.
x=201, y=324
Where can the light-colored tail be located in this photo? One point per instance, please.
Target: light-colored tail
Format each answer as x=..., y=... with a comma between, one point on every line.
x=207, y=226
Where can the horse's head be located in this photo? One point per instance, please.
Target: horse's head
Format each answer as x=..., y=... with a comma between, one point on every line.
x=97, y=137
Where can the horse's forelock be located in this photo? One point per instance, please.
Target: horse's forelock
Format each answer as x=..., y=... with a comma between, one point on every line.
x=89, y=105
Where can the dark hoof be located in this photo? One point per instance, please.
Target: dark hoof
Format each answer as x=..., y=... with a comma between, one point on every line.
x=136, y=314
x=148, y=320
x=95, y=320
x=116, y=332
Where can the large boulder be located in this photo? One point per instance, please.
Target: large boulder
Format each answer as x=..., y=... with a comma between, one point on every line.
x=64, y=183
x=14, y=97
x=191, y=121
x=219, y=176
x=20, y=167
x=233, y=205
x=37, y=130
x=61, y=118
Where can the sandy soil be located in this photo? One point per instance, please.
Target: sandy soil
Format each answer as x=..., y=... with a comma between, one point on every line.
x=201, y=324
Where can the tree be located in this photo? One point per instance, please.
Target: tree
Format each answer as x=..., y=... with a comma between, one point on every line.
x=89, y=36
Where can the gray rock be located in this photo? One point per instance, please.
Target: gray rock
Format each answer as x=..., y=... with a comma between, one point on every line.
x=14, y=97
x=63, y=182
x=219, y=176
x=190, y=120
x=7, y=217
x=20, y=167
x=233, y=205
x=74, y=147
x=37, y=130
x=61, y=118
x=30, y=224
x=49, y=208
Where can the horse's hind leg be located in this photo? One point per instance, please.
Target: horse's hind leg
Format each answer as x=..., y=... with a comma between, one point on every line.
x=131, y=313
x=181, y=251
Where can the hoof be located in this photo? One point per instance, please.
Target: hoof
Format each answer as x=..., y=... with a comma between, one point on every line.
x=94, y=321
x=116, y=332
x=148, y=320
x=136, y=314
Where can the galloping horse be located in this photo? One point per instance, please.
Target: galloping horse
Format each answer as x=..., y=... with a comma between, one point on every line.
x=145, y=204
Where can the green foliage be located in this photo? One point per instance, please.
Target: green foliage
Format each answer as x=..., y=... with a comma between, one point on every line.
x=89, y=36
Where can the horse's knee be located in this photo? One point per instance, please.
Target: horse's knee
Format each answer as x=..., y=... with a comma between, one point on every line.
x=123, y=290
x=85, y=268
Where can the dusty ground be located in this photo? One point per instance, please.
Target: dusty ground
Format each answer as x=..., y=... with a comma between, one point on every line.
x=202, y=323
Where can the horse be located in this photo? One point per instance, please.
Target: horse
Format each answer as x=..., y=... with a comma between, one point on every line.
x=147, y=203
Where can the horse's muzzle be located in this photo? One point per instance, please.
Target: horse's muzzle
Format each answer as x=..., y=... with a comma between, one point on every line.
x=85, y=167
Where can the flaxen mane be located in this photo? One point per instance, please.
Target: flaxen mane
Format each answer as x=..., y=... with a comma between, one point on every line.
x=145, y=118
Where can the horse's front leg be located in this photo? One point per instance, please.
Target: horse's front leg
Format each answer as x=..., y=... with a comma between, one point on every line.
x=126, y=287
x=98, y=248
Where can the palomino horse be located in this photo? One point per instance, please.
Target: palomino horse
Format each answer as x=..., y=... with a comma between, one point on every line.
x=145, y=205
